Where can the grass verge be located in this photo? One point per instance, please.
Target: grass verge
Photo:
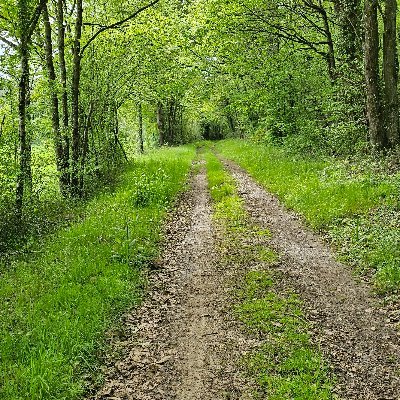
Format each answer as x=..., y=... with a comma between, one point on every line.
x=285, y=365
x=358, y=205
x=56, y=304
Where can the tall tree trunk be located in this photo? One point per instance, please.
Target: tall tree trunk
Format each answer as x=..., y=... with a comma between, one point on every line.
x=140, y=133
x=330, y=56
x=371, y=61
x=61, y=159
x=161, y=123
x=24, y=174
x=76, y=75
x=85, y=146
x=390, y=74
x=64, y=96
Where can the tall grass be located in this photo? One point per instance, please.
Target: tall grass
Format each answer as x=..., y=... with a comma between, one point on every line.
x=56, y=305
x=359, y=208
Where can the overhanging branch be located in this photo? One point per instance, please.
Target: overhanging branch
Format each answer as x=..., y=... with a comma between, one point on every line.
x=117, y=24
x=8, y=42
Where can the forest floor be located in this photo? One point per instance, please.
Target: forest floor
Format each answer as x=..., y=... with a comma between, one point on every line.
x=186, y=342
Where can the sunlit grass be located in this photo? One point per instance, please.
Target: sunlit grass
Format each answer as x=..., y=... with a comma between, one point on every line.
x=56, y=304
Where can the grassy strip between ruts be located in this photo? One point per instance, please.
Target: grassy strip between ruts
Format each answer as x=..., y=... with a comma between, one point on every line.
x=285, y=365
x=358, y=205
x=55, y=306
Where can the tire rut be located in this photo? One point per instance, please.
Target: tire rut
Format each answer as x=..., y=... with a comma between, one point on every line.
x=352, y=330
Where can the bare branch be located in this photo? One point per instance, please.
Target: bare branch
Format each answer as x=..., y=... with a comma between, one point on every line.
x=118, y=24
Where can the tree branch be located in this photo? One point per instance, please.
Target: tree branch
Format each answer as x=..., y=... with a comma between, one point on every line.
x=94, y=24
x=117, y=24
x=8, y=42
x=35, y=18
x=5, y=18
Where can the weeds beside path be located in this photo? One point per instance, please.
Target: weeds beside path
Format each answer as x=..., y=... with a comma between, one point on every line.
x=243, y=302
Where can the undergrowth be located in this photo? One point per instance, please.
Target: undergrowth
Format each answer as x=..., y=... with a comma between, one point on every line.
x=57, y=302
x=356, y=204
x=285, y=364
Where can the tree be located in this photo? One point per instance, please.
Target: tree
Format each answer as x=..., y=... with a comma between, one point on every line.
x=27, y=14
x=390, y=74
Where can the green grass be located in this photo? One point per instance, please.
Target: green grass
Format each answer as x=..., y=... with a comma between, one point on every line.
x=358, y=205
x=285, y=365
x=228, y=205
x=56, y=304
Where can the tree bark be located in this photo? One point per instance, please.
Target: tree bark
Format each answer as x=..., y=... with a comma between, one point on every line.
x=24, y=173
x=140, y=133
x=64, y=95
x=26, y=26
x=390, y=74
x=330, y=55
x=76, y=75
x=371, y=61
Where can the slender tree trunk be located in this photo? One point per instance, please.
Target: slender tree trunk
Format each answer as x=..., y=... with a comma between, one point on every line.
x=161, y=123
x=117, y=142
x=140, y=133
x=85, y=146
x=64, y=96
x=390, y=74
x=371, y=62
x=24, y=174
x=76, y=75
x=330, y=56
x=61, y=157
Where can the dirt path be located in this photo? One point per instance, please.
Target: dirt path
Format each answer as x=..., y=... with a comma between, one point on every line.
x=182, y=343
x=356, y=335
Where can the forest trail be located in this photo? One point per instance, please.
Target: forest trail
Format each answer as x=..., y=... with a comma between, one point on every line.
x=183, y=342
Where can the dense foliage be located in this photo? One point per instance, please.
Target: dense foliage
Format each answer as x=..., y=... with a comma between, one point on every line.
x=85, y=84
